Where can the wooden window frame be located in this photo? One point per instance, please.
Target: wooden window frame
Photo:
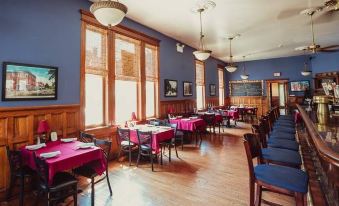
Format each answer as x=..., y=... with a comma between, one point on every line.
x=220, y=68
x=204, y=84
x=109, y=106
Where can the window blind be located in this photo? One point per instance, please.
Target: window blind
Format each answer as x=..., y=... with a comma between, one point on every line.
x=200, y=73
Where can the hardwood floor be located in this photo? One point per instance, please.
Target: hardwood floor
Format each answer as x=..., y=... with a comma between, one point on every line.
x=214, y=174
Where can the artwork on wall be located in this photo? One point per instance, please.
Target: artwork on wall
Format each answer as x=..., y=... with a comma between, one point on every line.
x=277, y=74
x=188, y=89
x=171, y=88
x=212, y=90
x=299, y=86
x=29, y=82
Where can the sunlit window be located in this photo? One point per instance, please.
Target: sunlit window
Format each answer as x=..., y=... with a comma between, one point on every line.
x=200, y=84
x=95, y=76
x=221, y=87
x=127, y=69
x=151, y=67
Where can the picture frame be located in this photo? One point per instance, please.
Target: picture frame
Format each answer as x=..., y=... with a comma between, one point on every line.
x=277, y=74
x=212, y=90
x=299, y=86
x=171, y=88
x=29, y=82
x=187, y=88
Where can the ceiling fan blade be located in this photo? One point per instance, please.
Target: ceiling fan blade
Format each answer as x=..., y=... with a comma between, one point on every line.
x=332, y=47
x=327, y=16
x=289, y=13
x=328, y=51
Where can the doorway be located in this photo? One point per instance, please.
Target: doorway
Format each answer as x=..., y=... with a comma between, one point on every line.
x=277, y=94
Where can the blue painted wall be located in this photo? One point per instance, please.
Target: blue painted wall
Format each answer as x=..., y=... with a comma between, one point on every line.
x=290, y=68
x=48, y=33
x=325, y=62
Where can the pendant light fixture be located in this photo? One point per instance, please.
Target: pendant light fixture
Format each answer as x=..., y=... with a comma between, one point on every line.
x=306, y=71
x=244, y=75
x=231, y=66
x=108, y=12
x=202, y=54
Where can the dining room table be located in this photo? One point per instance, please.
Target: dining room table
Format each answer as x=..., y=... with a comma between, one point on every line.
x=230, y=114
x=159, y=134
x=70, y=156
x=192, y=124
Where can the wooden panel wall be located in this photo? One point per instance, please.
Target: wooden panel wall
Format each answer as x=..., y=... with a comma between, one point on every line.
x=180, y=106
x=18, y=127
x=212, y=101
x=256, y=101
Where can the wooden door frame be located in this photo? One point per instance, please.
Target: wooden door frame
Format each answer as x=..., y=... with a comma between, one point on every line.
x=268, y=90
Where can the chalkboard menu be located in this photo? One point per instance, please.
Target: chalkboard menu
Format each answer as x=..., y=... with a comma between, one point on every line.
x=246, y=88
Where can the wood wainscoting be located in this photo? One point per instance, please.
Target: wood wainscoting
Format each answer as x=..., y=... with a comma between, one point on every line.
x=179, y=106
x=212, y=101
x=256, y=101
x=18, y=126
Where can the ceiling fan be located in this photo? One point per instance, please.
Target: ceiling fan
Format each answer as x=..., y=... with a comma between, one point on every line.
x=316, y=47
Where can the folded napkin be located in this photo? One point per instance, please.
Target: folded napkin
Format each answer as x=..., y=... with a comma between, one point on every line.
x=187, y=119
x=50, y=154
x=35, y=146
x=85, y=145
x=68, y=139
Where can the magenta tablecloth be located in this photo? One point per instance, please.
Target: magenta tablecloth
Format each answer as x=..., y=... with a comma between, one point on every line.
x=232, y=113
x=68, y=159
x=189, y=125
x=157, y=138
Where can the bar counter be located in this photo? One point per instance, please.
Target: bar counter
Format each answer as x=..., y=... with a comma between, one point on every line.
x=323, y=146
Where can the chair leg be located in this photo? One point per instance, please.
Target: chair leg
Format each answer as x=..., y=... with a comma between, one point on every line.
x=75, y=195
x=119, y=153
x=138, y=158
x=176, y=151
x=258, y=196
x=161, y=155
x=22, y=189
x=129, y=156
x=169, y=152
x=109, y=184
x=299, y=199
x=152, y=161
x=251, y=194
x=92, y=192
x=11, y=185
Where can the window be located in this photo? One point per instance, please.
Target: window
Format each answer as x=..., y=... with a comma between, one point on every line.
x=221, y=87
x=119, y=75
x=200, y=84
x=95, y=76
x=151, y=79
x=127, y=76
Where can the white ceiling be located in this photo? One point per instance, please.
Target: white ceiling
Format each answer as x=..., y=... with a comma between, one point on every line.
x=268, y=28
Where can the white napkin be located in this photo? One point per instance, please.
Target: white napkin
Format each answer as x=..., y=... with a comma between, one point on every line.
x=35, y=146
x=68, y=139
x=50, y=154
x=89, y=144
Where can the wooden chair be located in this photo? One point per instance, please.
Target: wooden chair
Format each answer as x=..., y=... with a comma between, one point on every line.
x=85, y=137
x=124, y=143
x=63, y=185
x=145, y=140
x=89, y=172
x=210, y=121
x=274, y=178
x=17, y=171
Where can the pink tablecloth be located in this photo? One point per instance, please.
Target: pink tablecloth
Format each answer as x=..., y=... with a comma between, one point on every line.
x=69, y=158
x=157, y=138
x=232, y=113
x=189, y=125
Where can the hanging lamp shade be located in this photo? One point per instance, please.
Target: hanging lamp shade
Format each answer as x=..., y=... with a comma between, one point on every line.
x=231, y=68
x=202, y=55
x=306, y=73
x=244, y=75
x=108, y=13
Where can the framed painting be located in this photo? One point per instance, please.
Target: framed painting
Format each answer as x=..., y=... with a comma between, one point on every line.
x=299, y=86
x=188, y=88
x=171, y=88
x=29, y=82
x=212, y=90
